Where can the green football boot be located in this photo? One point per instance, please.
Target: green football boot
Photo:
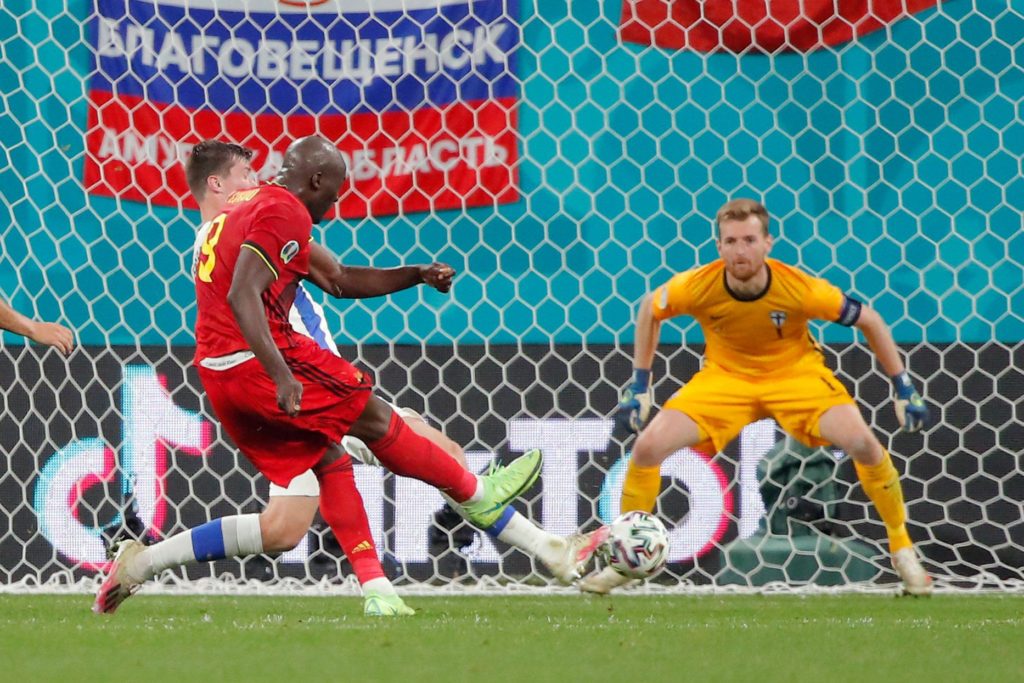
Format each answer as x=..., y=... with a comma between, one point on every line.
x=383, y=605
x=501, y=487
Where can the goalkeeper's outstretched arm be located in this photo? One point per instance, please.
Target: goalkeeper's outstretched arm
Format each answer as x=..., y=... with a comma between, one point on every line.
x=911, y=410
x=880, y=340
x=648, y=329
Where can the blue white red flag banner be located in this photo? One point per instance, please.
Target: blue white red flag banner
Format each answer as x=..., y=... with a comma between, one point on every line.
x=758, y=25
x=420, y=95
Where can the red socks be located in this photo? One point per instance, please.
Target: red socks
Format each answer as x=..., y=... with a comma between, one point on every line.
x=408, y=454
x=342, y=508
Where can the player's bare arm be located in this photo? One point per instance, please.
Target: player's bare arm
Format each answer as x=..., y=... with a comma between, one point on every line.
x=360, y=282
x=49, y=334
x=251, y=279
x=648, y=330
x=911, y=410
x=880, y=340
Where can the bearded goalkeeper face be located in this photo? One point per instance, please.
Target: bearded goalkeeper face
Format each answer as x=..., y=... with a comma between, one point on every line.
x=743, y=246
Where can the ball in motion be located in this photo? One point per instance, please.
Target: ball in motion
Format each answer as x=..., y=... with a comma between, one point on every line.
x=637, y=545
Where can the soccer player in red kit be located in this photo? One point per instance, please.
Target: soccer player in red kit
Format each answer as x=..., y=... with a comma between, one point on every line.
x=284, y=400
x=288, y=411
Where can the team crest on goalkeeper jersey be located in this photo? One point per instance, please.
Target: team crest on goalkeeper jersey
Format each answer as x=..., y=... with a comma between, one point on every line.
x=778, y=319
x=419, y=95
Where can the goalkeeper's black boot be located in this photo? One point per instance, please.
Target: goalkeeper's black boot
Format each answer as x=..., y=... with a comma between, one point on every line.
x=446, y=537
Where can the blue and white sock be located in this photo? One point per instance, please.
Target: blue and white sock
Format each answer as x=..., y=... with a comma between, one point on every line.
x=234, y=536
x=519, y=532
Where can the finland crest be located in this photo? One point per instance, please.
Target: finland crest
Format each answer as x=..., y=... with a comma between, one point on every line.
x=289, y=250
x=778, y=319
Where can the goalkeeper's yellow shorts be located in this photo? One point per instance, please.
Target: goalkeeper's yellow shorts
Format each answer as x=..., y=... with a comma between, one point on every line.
x=722, y=403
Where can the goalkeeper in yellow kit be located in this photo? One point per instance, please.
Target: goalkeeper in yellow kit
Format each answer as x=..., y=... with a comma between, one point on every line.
x=760, y=362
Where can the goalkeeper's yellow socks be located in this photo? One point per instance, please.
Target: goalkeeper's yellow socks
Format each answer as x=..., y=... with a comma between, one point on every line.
x=641, y=487
x=881, y=483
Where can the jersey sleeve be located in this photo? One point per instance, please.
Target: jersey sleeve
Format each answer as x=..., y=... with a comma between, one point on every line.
x=673, y=298
x=823, y=301
x=197, y=248
x=281, y=238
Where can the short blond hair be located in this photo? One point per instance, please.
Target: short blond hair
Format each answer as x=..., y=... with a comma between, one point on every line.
x=741, y=210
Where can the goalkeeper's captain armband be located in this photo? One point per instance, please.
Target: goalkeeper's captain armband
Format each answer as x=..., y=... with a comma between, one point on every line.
x=849, y=314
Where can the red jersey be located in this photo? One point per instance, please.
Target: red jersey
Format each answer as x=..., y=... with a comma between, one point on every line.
x=272, y=223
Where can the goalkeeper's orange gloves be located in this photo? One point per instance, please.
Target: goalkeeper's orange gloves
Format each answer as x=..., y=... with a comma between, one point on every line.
x=635, y=403
x=911, y=410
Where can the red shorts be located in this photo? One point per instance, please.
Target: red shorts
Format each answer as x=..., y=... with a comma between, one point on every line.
x=244, y=398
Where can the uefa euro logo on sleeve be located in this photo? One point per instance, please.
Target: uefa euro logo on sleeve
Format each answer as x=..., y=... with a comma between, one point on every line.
x=289, y=251
x=420, y=95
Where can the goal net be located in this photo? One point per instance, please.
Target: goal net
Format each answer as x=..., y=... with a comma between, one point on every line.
x=565, y=158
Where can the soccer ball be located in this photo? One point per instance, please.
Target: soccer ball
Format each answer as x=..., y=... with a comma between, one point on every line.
x=637, y=545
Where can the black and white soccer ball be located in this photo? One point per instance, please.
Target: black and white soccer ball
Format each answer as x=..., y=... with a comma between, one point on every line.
x=637, y=545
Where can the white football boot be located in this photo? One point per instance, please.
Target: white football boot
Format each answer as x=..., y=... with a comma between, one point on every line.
x=916, y=581
x=569, y=560
x=120, y=583
x=604, y=580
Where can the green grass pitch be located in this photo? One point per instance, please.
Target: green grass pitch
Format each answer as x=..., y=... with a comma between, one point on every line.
x=634, y=638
